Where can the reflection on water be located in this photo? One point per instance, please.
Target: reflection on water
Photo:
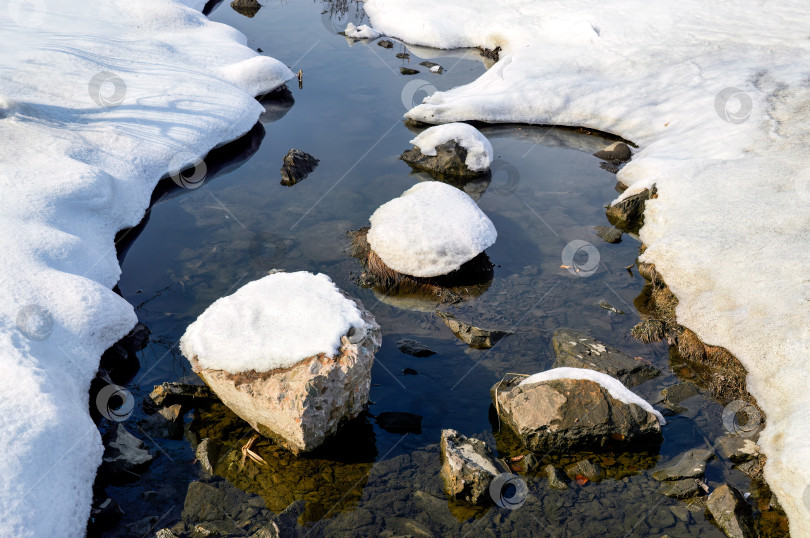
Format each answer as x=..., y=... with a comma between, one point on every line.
x=546, y=190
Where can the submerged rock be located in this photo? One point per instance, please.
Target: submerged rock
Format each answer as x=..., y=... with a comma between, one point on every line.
x=473, y=336
x=556, y=478
x=617, y=151
x=732, y=514
x=468, y=467
x=585, y=469
x=577, y=350
x=125, y=456
x=681, y=489
x=297, y=166
x=691, y=464
x=297, y=401
x=166, y=423
x=736, y=448
x=608, y=234
x=414, y=348
x=561, y=415
x=609, y=307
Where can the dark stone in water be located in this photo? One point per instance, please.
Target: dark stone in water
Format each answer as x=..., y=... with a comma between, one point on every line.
x=736, y=448
x=577, y=350
x=399, y=422
x=556, y=478
x=428, y=64
x=120, y=362
x=409, y=371
x=408, y=71
x=609, y=307
x=248, y=8
x=474, y=336
x=297, y=166
x=185, y=394
x=403, y=55
x=731, y=512
x=691, y=464
x=584, y=469
x=608, y=234
x=681, y=489
x=412, y=347
x=166, y=423
x=449, y=161
x=103, y=516
x=628, y=214
x=618, y=151
x=386, y=44
x=125, y=456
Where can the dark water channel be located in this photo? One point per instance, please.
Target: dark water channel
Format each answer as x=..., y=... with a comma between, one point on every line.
x=546, y=191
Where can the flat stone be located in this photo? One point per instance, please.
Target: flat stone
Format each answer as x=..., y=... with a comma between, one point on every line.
x=584, y=469
x=736, y=448
x=608, y=234
x=570, y=414
x=691, y=464
x=617, y=151
x=468, y=467
x=679, y=392
x=412, y=347
x=556, y=478
x=473, y=336
x=207, y=454
x=577, y=350
x=731, y=512
x=681, y=489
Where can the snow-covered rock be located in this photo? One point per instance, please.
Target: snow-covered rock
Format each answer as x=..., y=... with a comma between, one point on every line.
x=99, y=101
x=289, y=353
x=454, y=149
x=361, y=32
x=575, y=409
x=431, y=230
x=716, y=100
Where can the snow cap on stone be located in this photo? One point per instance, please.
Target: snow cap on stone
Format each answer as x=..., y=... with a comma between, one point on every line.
x=479, y=150
x=274, y=322
x=431, y=230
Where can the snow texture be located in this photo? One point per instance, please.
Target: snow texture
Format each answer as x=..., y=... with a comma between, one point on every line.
x=97, y=98
x=431, y=230
x=479, y=150
x=717, y=98
x=274, y=322
x=611, y=384
x=361, y=32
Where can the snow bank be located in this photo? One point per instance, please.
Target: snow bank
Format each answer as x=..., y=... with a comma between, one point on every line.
x=479, y=150
x=431, y=230
x=611, y=384
x=717, y=98
x=361, y=32
x=97, y=99
x=274, y=322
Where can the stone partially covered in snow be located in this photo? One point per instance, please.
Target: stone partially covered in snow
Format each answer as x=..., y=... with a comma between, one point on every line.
x=453, y=149
x=361, y=32
x=431, y=230
x=570, y=408
x=290, y=354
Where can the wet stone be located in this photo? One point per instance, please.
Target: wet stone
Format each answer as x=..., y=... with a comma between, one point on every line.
x=207, y=454
x=731, y=512
x=473, y=336
x=578, y=350
x=691, y=464
x=468, y=467
x=125, y=456
x=297, y=166
x=408, y=71
x=585, y=469
x=618, y=151
x=628, y=214
x=166, y=423
x=414, y=348
x=681, y=489
x=556, y=478
x=448, y=162
x=385, y=43
x=248, y=8
x=608, y=234
x=187, y=395
x=403, y=55
x=678, y=392
x=609, y=307
x=736, y=448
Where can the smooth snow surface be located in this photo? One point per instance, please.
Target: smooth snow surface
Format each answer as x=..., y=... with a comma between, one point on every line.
x=431, y=230
x=96, y=99
x=611, y=384
x=479, y=150
x=361, y=32
x=274, y=322
x=717, y=96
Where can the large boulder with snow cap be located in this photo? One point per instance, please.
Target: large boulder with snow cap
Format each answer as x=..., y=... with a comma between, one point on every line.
x=452, y=149
x=431, y=230
x=576, y=409
x=290, y=353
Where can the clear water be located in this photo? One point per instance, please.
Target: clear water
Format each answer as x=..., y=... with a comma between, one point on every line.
x=546, y=191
